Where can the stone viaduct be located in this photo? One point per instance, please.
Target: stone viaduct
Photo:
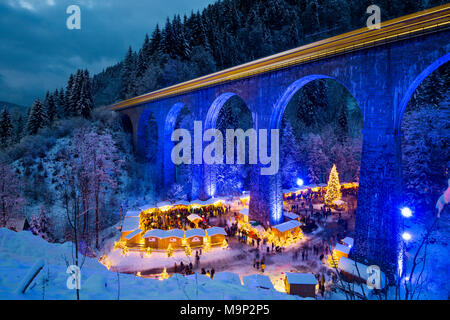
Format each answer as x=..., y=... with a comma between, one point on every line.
x=381, y=68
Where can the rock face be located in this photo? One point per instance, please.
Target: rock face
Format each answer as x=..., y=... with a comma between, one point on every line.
x=382, y=79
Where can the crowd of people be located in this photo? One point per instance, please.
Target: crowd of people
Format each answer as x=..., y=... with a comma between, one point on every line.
x=177, y=217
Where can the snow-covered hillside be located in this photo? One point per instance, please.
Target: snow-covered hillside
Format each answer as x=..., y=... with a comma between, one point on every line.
x=20, y=251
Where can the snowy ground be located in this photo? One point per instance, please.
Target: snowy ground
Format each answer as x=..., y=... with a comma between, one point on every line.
x=237, y=258
x=20, y=251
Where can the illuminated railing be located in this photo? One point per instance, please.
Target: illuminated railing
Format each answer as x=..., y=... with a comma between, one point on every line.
x=390, y=31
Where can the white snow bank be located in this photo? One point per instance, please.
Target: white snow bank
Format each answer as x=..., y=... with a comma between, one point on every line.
x=20, y=251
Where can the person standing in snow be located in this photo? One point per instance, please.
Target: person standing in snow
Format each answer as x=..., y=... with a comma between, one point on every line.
x=212, y=273
x=263, y=267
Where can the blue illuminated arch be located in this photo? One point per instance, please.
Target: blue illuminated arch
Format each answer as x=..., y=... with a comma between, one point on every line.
x=210, y=123
x=276, y=195
x=414, y=85
x=143, y=135
x=169, y=127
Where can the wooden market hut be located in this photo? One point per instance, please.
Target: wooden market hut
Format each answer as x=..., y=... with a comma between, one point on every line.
x=349, y=242
x=341, y=250
x=216, y=235
x=285, y=229
x=175, y=238
x=129, y=225
x=352, y=271
x=195, y=219
x=133, y=239
x=288, y=216
x=301, y=284
x=194, y=237
x=243, y=215
x=155, y=239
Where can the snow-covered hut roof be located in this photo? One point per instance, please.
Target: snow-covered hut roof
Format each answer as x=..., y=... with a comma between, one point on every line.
x=228, y=277
x=177, y=233
x=195, y=233
x=214, y=231
x=289, y=225
x=133, y=213
x=197, y=202
x=257, y=281
x=301, y=278
x=193, y=217
x=133, y=234
x=244, y=211
x=181, y=203
x=357, y=269
x=130, y=224
x=291, y=215
x=156, y=233
x=146, y=207
x=163, y=204
x=348, y=241
x=342, y=248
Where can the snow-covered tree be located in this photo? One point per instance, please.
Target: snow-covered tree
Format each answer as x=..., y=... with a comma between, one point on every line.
x=50, y=107
x=95, y=164
x=6, y=129
x=38, y=118
x=41, y=224
x=11, y=199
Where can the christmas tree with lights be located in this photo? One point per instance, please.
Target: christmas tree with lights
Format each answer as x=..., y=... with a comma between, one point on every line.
x=333, y=188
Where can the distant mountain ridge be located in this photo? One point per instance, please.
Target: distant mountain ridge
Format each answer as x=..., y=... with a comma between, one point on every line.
x=12, y=107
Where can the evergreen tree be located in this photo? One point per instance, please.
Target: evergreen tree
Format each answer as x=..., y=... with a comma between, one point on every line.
x=128, y=78
x=50, y=107
x=333, y=188
x=68, y=106
x=19, y=127
x=6, y=129
x=37, y=118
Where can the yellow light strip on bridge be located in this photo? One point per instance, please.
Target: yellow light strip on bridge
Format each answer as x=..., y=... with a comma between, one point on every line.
x=355, y=40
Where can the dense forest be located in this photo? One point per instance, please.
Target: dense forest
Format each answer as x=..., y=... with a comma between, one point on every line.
x=321, y=127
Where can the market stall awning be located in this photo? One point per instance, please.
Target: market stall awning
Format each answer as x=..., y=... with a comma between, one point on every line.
x=133, y=234
x=130, y=224
x=195, y=233
x=286, y=226
x=177, y=233
x=214, y=231
x=257, y=281
x=301, y=278
x=194, y=217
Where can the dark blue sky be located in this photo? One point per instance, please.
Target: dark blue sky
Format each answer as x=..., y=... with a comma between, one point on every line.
x=38, y=52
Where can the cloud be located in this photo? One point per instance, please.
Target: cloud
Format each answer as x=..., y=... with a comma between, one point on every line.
x=38, y=52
